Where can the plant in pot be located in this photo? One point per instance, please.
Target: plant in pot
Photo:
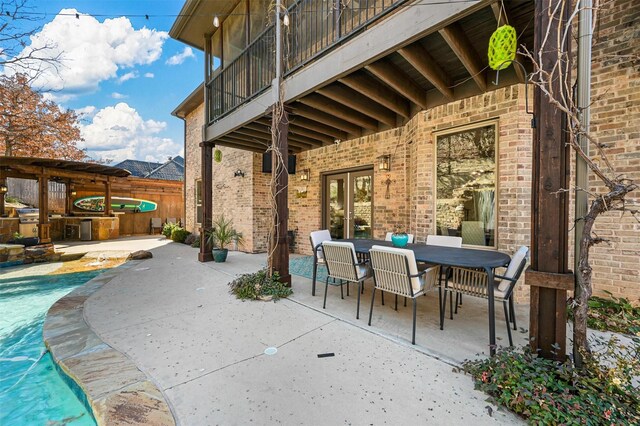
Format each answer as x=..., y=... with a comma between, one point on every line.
x=18, y=238
x=220, y=236
x=399, y=238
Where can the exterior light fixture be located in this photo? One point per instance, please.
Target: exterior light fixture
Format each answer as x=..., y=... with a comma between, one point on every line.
x=305, y=174
x=73, y=193
x=384, y=163
x=216, y=21
x=3, y=189
x=238, y=173
x=285, y=19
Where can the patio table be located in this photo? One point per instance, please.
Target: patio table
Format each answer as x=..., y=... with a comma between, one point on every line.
x=452, y=256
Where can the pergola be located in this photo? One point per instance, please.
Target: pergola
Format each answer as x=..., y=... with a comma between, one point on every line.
x=69, y=172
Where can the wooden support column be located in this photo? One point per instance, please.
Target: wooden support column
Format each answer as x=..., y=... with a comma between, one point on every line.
x=280, y=259
x=107, y=197
x=43, y=209
x=68, y=205
x=548, y=275
x=206, y=162
x=3, y=184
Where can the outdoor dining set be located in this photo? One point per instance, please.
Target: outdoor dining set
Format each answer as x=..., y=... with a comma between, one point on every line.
x=415, y=269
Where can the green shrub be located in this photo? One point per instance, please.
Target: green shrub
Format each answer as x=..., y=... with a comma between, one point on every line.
x=178, y=234
x=612, y=314
x=168, y=228
x=547, y=392
x=196, y=242
x=259, y=285
x=190, y=239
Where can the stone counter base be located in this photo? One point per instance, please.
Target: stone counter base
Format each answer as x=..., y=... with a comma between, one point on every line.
x=117, y=392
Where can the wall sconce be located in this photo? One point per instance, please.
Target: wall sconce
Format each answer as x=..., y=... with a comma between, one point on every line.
x=384, y=163
x=305, y=174
x=73, y=193
x=238, y=173
x=3, y=189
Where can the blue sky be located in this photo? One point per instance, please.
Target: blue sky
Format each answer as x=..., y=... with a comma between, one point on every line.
x=123, y=73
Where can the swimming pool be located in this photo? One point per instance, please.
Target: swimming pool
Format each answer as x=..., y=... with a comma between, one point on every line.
x=31, y=390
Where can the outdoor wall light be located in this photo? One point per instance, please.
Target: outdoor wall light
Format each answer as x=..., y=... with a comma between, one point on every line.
x=3, y=189
x=73, y=193
x=216, y=21
x=384, y=163
x=238, y=173
x=305, y=174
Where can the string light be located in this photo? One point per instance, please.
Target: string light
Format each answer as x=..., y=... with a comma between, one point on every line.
x=285, y=19
x=216, y=21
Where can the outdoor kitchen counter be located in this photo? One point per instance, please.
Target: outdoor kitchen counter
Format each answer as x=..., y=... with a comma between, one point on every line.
x=69, y=227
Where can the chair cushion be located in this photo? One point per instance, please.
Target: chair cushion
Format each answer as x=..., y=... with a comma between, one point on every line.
x=363, y=271
x=512, y=269
x=444, y=241
x=317, y=238
x=416, y=283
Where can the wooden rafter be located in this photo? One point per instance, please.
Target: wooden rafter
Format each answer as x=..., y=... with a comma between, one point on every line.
x=263, y=139
x=319, y=136
x=501, y=19
x=370, y=88
x=399, y=81
x=328, y=119
x=458, y=42
x=315, y=126
x=302, y=141
x=338, y=110
x=352, y=99
x=424, y=63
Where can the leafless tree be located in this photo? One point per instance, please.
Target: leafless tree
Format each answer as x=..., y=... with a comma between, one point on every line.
x=617, y=187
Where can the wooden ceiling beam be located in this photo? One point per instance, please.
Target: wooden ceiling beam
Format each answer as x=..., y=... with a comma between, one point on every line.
x=225, y=141
x=458, y=42
x=302, y=141
x=265, y=138
x=424, y=63
x=379, y=93
x=338, y=110
x=502, y=19
x=301, y=131
x=399, y=81
x=327, y=119
x=315, y=126
x=352, y=99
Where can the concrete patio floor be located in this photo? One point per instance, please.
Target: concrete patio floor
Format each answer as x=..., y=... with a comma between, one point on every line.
x=204, y=349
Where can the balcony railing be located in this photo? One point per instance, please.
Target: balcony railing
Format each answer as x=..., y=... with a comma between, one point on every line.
x=315, y=26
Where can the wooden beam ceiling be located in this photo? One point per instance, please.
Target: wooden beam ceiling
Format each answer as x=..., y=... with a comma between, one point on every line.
x=422, y=61
x=301, y=141
x=349, y=97
x=328, y=119
x=296, y=130
x=338, y=110
x=231, y=143
x=399, y=81
x=458, y=42
x=264, y=137
x=318, y=127
x=369, y=87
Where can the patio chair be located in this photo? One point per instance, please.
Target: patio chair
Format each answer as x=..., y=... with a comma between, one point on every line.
x=317, y=238
x=473, y=233
x=474, y=283
x=395, y=271
x=156, y=223
x=342, y=265
x=389, y=234
x=172, y=220
x=445, y=241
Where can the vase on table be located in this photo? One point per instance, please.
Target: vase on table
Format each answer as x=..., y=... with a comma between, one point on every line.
x=399, y=239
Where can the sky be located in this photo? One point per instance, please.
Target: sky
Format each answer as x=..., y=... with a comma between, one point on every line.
x=121, y=73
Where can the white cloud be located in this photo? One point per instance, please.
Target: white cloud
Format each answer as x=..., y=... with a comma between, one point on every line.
x=128, y=76
x=119, y=132
x=92, y=51
x=85, y=112
x=179, y=58
x=149, y=75
x=116, y=95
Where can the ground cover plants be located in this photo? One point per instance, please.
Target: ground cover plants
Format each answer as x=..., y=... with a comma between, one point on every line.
x=544, y=391
x=612, y=314
x=259, y=286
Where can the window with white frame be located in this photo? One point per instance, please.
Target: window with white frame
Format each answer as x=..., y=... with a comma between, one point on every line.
x=466, y=183
x=198, y=200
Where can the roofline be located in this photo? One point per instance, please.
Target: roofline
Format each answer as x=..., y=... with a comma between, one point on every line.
x=191, y=102
x=182, y=21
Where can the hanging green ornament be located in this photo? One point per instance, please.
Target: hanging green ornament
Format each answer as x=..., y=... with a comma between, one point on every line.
x=502, y=47
x=217, y=155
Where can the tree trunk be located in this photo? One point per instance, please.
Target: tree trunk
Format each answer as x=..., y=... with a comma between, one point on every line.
x=583, y=291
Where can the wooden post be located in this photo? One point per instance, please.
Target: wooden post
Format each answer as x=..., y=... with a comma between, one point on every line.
x=3, y=183
x=548, y=275
x=107, y=197
x=279, y=159
x=68, y=205
x=206, y=156
x=43, y=209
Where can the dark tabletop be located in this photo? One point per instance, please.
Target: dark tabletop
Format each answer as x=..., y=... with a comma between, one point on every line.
x=452, y=256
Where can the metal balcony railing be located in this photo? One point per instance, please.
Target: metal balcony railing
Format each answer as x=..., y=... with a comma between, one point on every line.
x=315, y=26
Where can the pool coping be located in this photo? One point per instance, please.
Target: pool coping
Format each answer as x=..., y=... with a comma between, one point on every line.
x=114, y=390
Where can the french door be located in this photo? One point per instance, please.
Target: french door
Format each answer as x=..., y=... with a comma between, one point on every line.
x=348, y=204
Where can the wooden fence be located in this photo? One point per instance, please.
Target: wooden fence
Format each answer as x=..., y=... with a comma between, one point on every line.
x=26, y=190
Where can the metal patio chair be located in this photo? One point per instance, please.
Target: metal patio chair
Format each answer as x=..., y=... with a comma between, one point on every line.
x=474, y=283
x=395, y=271
x=156, y=223
x=317, y=238
x=445, y=241
x=342, y=265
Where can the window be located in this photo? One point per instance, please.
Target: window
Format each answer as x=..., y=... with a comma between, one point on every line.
x=198, y=199
x=466, y=184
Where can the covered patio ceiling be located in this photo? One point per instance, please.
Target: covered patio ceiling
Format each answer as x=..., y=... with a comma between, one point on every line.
x=445, y=65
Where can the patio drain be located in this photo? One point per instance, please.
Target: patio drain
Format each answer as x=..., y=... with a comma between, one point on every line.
x=271, y=351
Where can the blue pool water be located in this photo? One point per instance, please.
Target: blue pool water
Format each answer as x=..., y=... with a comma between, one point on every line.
x=31, y=390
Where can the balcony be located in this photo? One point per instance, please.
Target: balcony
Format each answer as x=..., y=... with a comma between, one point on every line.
x=315, y=27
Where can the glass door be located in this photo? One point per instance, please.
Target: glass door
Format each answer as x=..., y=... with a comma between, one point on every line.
x=348, y=210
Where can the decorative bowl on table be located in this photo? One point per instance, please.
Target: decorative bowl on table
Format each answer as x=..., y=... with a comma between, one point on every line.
x=399, y=239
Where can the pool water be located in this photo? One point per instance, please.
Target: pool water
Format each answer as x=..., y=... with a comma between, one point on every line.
x=31, y=390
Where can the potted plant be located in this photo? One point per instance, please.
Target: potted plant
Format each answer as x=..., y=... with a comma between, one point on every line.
x=399, y=238
x=220, y=235
x=18, y=238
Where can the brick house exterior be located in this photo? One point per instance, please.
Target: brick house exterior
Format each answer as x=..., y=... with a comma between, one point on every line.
x=409, y=202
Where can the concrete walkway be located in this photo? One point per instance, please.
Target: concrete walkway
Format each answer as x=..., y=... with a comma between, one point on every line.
x=204, y=349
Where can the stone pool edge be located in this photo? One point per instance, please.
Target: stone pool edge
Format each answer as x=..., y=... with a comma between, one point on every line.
x=115, y=391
